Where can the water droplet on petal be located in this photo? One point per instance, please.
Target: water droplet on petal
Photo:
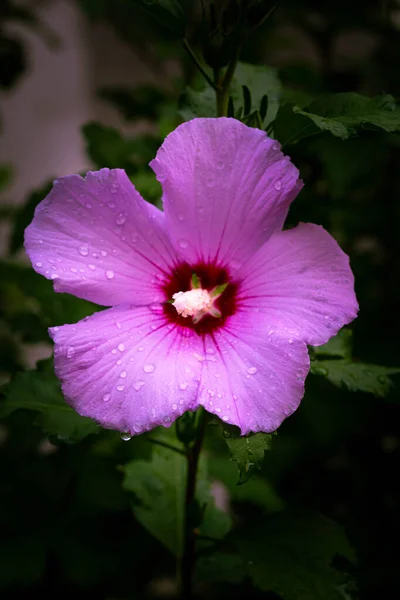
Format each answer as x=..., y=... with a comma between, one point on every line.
x=183, y=385
x=39, y=264
x=92, y=267
x=252, y=370
x=110, y=274
x=138, y=385
x=121, y=219
x=225, y=418
x=174, y=407
x=122, y=374
x=278, y=185
x=103, y=253
x=125, y=436
x=83, y=250
x=140, y=348
x=120, y=388
x=70, y=352
x=121, y=347
x=183, y=244
x=150, y=368
x=106, y=397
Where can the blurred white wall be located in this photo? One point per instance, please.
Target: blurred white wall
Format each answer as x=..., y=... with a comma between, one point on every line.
x=42, y=114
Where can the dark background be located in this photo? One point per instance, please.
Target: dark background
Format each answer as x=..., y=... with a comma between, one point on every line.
x=66, y=524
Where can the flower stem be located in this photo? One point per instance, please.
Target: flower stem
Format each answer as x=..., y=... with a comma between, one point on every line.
x=198, y=64
x=189, y=545
x=222, y=88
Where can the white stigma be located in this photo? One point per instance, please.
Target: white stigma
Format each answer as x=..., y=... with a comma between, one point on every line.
x=194, y=303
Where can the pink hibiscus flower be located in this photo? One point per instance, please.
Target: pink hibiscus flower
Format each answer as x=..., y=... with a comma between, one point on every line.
x=213, y=304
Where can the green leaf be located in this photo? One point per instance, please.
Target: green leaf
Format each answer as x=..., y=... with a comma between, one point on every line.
x=28, y=299
x=169, y=13
x=25, y=215
x=291, y=554
x=40, y=391
x=341, y=345
x=342, y=115
x=261, y=81
x=247, y=451
x=22, y=559
x=108, y=148
x=6, y=175
x=158, y=486
x=143, y=101
x=197, y=103
x=356, y=376
x=220, y=567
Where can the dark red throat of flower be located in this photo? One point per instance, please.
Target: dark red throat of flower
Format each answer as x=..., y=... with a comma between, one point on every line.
x=210, y=277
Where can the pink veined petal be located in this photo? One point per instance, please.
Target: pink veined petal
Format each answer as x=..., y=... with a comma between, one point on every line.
x=300, y=283
x=250, y=379
x=99, y=240
x=226, y=188
x=127, y=369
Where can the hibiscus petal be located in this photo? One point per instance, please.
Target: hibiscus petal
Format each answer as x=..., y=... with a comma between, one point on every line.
x=226, y=187
x=250, y=379
x=127, y=369
x=99, y=240
x=301, y=283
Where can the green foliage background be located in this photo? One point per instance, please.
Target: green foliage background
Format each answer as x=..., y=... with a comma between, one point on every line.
x=311, y=513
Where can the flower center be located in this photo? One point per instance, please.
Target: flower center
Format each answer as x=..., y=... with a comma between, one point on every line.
x=194, y=303
x=200, y=297
x=198, y=303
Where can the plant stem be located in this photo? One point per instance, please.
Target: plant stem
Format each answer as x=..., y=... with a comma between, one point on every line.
x=188, y=556
x=222, y=89
x=166, y=445
x=196, y=61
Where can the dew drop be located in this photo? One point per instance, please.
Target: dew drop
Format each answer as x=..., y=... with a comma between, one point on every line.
x=92, y=267
x=183, y=244
x=210, y=181
x=226, y=433
x=120, y=220
x=83, y=250
x=120, y=388
x=138, y=385
x=174, y=407
x=70, y=352
x=122, y=374
x=252, y=370
x=125, y=436
x=150, y=368
x=225, y=418
x=290, y=340
x=106, y=397
x=275, y=147
x=278, y=185
x=111, y=204
x=140, y=349
x=183, y=386
x=39, y=264
x=121, y=347
x=103, y=253
x=110, y=274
